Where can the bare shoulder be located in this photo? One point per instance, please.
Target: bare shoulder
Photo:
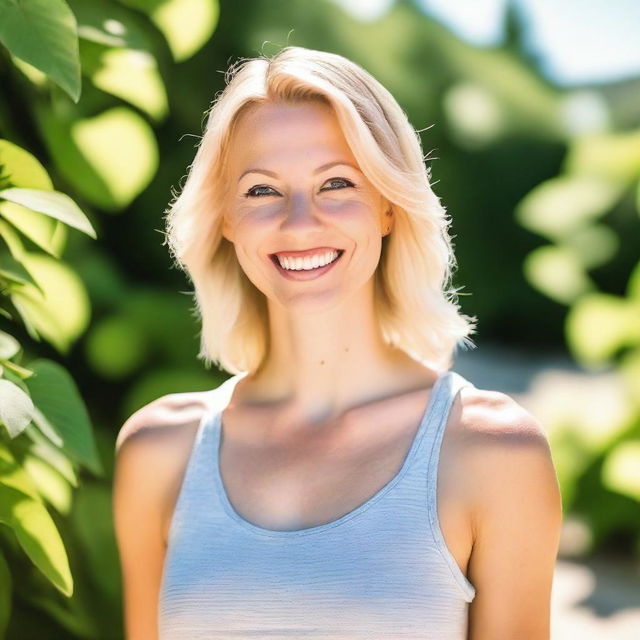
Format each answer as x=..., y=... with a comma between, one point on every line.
x=153, y=447
x=151, y=452
x=516, y=515
x=495, y=417
x=161, y=420
x=503, y=440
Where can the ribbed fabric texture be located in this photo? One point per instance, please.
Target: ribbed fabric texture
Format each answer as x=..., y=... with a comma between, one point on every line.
x=381, y=571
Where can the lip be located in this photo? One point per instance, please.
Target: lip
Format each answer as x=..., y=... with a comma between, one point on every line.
x=306, y=252
x=311, y=274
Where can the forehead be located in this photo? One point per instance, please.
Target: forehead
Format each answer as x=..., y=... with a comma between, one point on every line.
x=274, y=131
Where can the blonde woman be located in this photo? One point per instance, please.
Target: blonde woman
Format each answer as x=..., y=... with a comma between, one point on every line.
x=345, y=482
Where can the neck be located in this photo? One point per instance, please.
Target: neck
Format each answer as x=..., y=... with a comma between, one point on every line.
x=322, y=363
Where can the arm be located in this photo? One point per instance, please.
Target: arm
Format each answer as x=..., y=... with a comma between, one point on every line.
x=517, y=523
x=137, y=502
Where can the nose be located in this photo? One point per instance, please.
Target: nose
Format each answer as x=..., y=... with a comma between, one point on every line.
x=300, y=215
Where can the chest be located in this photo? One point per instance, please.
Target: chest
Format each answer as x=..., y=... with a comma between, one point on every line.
x=323, y=474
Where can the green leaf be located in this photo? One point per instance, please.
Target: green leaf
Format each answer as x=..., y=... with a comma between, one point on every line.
x=16, y=408
x=21, y=168
x=109, y=158
x=133, y=76
x=44, y=34
x=46, y=447
x=52, y=203
x=621, y=469
x=186, y=24
x=22, y=510
x=611, y=156
x=9, y=346
x=14, y=271
x=51, y=485
x=47, y=233
x=112, y=25
x=598, y=325
x=559, y=206
x=55, y=394
x=556, y=272
x=62, y=313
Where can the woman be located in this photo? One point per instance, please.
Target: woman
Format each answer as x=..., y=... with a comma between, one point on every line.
x=344, y=483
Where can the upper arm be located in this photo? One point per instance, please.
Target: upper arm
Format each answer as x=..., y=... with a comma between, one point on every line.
x=517, y=522
x=138, y=498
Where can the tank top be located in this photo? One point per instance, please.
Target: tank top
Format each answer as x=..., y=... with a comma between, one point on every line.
x=382, y=570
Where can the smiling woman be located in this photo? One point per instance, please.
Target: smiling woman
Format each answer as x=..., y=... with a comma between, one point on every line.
x=299, y=118
x=344, y=483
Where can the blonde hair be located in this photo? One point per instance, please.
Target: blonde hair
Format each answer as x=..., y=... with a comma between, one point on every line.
x=416, y=309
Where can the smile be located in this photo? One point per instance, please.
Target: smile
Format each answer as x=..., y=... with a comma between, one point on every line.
x=304, y=270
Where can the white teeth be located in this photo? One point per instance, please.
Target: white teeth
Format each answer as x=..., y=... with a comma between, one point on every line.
x=308, y=262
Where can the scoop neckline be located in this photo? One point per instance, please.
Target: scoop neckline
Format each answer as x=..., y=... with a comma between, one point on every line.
x=356, y=511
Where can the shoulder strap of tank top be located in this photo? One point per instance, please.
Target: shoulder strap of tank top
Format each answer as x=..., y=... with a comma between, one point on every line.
x=451, y=384
x=198, y=464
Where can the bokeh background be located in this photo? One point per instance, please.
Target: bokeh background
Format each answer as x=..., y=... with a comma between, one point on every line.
x=529, y=112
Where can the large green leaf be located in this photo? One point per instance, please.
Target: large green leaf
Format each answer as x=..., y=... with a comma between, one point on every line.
x=51, y=485
x=16, y=408
x=129, y=74
x=21, y=168
x=62, y=314
x=44, y=34
x=22, y=510
x=45, y=232
x=12, y=270
x=45, y=445
x=52, y=203
x=109, y=158
x=55, y=394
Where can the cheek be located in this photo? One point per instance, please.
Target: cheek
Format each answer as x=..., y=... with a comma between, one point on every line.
x=357, y=211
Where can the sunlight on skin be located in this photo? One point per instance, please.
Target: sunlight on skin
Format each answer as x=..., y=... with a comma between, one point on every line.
x=325, y=339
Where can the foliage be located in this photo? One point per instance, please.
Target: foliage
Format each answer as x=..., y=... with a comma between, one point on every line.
x=102, y=149
x=583, y=214
x=107, y=90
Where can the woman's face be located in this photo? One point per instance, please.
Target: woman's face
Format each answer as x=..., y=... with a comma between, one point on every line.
x=296, y=193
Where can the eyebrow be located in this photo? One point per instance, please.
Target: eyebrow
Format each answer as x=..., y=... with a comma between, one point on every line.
x=321, y=168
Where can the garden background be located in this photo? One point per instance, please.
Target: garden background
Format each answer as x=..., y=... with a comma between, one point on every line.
x=101, y=108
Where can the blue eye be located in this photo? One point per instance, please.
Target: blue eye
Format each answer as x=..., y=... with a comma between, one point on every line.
x=343, y=180
x=250, y=193
x=253, y=191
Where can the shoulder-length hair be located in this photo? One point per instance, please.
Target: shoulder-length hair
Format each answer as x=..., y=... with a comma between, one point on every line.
x=416, y=307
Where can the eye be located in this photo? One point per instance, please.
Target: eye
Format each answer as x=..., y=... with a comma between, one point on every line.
x=344, y=181
x=251, y=193
x=254, y=192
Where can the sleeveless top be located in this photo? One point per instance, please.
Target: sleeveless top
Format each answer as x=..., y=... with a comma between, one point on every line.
x=381, y=571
